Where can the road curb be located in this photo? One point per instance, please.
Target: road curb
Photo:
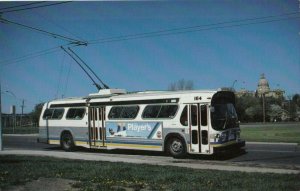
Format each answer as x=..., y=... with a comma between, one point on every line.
x=101, y=157
x=271, y=143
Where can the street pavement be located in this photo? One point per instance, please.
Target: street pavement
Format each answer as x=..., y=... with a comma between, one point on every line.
x=257, y=157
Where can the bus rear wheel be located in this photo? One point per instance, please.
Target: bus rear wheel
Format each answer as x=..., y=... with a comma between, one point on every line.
x=176, y=147
x=67, y=142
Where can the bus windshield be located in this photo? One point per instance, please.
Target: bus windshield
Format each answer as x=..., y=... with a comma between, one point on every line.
x=223, y=116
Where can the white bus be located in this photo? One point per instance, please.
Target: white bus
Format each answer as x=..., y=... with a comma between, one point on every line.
x=177, y=122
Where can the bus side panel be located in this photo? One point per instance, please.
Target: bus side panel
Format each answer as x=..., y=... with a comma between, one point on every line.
x=43, y=133
x=79, y=134
x=43, y=138
x=134, y=135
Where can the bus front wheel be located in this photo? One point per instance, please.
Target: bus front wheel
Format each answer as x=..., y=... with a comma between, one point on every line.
x=67, y=142
x=176, y=147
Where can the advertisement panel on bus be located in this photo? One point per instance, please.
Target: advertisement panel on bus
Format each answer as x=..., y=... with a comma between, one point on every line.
x=142, y=130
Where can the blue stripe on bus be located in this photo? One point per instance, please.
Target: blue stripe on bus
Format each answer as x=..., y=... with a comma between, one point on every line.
x=139, y=142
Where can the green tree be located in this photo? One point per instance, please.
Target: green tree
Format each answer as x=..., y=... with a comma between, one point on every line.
x=254, y=113
x=248, y=108
x=296, y=99
x=294, y=107
x=274, y=112
x=37, y=112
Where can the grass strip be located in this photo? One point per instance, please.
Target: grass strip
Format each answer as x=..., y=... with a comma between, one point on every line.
x=281, y=132
x=16, y=170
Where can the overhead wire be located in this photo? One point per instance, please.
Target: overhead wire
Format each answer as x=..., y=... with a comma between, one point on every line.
x=33, y=55
x=30, y=56
x=59, y=26
x=23, y=5
x=34, y=7
x=181, y=30
x=173, y=32
x=54, y=35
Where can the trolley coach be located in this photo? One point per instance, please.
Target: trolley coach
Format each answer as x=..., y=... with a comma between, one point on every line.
x=177, y=122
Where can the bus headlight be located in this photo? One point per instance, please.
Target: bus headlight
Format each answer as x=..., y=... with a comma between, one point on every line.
x=223, y=137
x=220, y=137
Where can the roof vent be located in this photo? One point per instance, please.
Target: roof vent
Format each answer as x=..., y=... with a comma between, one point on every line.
x=106, y=92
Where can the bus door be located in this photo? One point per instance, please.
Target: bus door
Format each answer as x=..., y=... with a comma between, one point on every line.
x=97, y=134
x=198, y=125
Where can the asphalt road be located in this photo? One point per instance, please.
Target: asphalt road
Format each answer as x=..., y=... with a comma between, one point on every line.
x=284, y=156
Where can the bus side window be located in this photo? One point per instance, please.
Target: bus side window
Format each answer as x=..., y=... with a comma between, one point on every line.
x=160, y=111
x=48, y=114
x=167, y=111
x=53, y=113
x=129, y=112
x=183, y=117
x=58, y=113
x=115, y=112
x=75, y=113
x=123, y=112
x=151, y=111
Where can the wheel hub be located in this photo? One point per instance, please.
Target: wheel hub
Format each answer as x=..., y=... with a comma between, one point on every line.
x=176, y=146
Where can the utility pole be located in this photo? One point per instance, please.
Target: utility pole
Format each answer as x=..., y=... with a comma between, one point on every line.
x=22, y=106
x=1, y=146
x=13, y=112
x=264, y=107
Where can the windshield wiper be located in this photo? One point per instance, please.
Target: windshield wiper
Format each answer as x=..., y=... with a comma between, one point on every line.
x=226, y=119
x=225, y=123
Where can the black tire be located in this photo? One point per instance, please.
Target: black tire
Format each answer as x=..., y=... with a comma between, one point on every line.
x=67, y=142
x=176, y=147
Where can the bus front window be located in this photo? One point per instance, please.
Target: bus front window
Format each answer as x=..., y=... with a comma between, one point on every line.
x=223, y=116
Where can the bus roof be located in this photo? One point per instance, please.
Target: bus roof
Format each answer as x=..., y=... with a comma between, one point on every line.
x=143, y=95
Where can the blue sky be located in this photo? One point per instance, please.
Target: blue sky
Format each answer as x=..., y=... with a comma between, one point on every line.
x=210, y=58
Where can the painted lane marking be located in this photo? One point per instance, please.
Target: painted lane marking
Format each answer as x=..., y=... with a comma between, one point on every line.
x=257, y=150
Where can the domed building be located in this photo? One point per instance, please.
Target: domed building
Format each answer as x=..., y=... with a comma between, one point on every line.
x=263, y=85
x=263, y=88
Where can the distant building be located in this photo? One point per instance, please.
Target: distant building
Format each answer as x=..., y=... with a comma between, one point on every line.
x=245, y=93
x=263, y=88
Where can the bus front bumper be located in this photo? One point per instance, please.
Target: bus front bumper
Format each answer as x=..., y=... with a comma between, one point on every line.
x=229, y=147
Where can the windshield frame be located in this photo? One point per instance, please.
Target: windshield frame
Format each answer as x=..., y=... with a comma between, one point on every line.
x=223, y=116
x=223, y=101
